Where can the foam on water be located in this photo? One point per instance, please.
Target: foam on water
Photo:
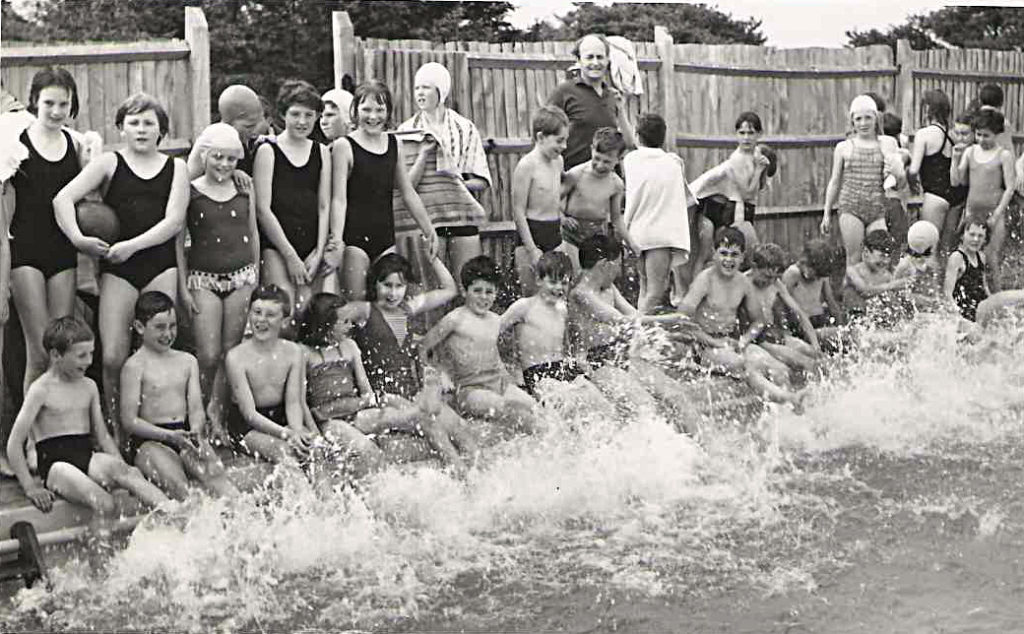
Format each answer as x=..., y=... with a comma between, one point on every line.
x=632, y=508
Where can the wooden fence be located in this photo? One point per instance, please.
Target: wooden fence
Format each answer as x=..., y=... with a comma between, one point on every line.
x=176, y=72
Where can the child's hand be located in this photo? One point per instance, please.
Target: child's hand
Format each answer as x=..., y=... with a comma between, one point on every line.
x=429, y=145
x=333, y=256
x=243, y=182
x=189, y=301
x=182, y=439
x=534, y=254
x=119, y=253
x=94, y=247
x=570, y=223
x=297, y=270
x=312, y=263
x=431, y=239
x=826, y=223
x=41, y=498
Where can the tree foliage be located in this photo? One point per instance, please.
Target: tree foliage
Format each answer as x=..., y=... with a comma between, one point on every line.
x=965, y=27
x=688, y=23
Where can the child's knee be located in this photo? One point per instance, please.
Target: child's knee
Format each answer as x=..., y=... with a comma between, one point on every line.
x=102, y=503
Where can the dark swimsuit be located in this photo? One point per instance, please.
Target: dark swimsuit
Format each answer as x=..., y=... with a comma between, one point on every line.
x=722, y=212
x=562, y=370
x=295, y=200
x=934, y=174
x=969, y=289
x=547, y=234
x=37, y=239
x=140, y=204
x=370, y=219
x=613, y=354
x=391, y=366
x=238, y=427
x=74, y=449
x=135, y=442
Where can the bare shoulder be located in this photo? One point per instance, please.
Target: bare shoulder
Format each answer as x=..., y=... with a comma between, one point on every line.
x=349, y=349
x=239, y=354
x=618, y=183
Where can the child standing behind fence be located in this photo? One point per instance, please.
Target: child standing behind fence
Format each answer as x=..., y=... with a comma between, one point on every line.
x=536, y=191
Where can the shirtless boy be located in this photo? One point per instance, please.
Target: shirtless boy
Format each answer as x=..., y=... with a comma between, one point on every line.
x=870, y=284
x=162, y=407
x=713, y=301
x=767, y=263
x=539, y=324
x=807, y=280
x=605, y=320
x=536, y=191
x=62, y=410
x=239, y=107
x=266, y=377
x=593, y=193
x=470, y=333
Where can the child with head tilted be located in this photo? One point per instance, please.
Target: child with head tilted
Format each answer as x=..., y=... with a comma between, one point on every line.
x=593, y=193
x=267, y=418
x=222, y=265
x=920, y=263
x=367, y=175
x=292, y=175
x=727, y=193
x=860, y=166
x=657, y=199
x=341, y=399
x=869, y=288
x=539, y=323
x=62, y=409
x=713, y=302
x=148, y=192
x=807, y=280
x=470, y=335
x=239, y=107
x=536, y=191
x=605, y=323
x=162, y=406
x=988, y=171
x=965, y=283
x=768, y=261
x=390, y=355
x=990, y=98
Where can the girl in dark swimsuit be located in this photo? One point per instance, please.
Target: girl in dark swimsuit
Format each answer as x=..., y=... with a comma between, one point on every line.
x=366, y=174
x=43, y=259
x=931, y=159
x=148, y=191
x=292, y=177
x=965, y=281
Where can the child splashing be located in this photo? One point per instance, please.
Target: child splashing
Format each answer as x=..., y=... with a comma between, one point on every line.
x=221, y=269
x=859, y=167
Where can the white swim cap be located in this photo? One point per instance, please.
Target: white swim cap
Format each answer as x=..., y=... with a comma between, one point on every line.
x=220, y=136
x=922, y=236
x=436, y=75
x=863, y=103
x=339, y=97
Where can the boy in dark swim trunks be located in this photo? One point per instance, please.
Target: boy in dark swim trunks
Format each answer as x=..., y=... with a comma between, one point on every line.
x=539, y=324
x=807, y=280
x=593, y=193
x=62, y=409
x=159, y=393
x=536, y=191
x=266, y=374
x=470, y=334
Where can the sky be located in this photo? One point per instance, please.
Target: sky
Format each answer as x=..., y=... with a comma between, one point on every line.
x=786, y=23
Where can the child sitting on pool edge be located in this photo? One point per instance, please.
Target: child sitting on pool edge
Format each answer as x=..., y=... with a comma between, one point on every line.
x=470, y=333
x=162, y=406
x=62, y=408
x=265, y=372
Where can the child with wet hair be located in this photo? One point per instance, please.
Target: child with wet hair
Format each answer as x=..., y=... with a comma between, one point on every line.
x=965, y=284
x=768, y=261
x=869, y=286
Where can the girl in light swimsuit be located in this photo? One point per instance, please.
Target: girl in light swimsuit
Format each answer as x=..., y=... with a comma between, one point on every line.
x=859, y=167
x=221, y=269
x=988, y=171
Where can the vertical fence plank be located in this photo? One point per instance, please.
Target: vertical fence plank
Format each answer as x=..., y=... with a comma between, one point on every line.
x=197, y=34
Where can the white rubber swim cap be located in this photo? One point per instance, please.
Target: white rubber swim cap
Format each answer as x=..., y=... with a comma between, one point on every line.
x=922, y=236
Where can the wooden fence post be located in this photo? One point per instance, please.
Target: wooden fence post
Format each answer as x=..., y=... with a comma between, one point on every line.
x=344, y=38
x=905, y=84
x=197, y=35
x=667, y=75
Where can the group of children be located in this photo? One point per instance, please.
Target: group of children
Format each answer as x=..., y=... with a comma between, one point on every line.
x=292, y=241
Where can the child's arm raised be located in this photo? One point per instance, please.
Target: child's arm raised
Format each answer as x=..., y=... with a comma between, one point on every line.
x=959, y=167
x=41, y=497
x=415, y=206
x=834, y=181
x=437, y=297
x=263, y=178
x=131, y=422
x=522, y=180
x=169, y=226
x=436, y=335
x=90, y=178
x=801, y=315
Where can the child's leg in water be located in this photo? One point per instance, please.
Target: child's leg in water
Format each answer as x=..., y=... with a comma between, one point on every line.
x=770, y=377
x=791, y=355
x=667, y=390
x=162, y=466
x=205, y=466
x=624, y=391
